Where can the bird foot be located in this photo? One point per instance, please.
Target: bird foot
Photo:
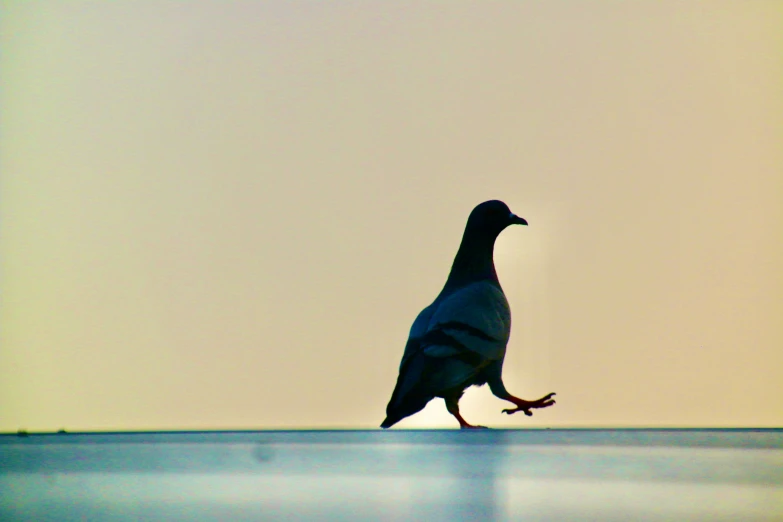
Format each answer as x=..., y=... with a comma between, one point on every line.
x=526, y=406
x=472, y=427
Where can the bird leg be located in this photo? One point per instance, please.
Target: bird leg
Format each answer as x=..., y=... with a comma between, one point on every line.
x=526, y=406
x=453, y=406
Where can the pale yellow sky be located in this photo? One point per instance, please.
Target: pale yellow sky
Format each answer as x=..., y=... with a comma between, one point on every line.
x=227, y=214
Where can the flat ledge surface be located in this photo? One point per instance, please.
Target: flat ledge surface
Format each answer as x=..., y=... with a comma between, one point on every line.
x=531, y=474
x=750, y=438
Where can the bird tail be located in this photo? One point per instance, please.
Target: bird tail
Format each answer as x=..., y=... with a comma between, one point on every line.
x=410, y=394
x=388, y=422
x=393, y=416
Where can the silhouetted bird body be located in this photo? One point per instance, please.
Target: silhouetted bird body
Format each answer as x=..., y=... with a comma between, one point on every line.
x=460, y=339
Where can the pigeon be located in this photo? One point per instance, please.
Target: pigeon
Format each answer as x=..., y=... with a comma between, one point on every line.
x=460, y=339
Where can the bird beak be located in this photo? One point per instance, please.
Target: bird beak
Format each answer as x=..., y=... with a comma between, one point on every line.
x=516, y=220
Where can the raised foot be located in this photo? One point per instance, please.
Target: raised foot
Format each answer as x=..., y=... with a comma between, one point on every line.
x=526, y=406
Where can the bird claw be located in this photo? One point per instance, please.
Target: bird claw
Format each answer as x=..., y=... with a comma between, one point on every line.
x=472, y=427
x=510, y=411
x=526, y=406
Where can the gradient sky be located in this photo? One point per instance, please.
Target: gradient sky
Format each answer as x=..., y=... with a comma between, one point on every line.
x=227, y=214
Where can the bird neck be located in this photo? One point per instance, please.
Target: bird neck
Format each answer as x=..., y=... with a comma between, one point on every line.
x=473, y=262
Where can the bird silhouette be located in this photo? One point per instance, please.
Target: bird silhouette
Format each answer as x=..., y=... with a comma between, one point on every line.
x=460, y=339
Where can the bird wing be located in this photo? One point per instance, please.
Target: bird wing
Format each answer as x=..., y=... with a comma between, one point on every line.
x=476, y=317
x=451, y=341
x=418, y=329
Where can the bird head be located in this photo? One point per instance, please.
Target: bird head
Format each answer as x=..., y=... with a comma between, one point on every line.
x=492, y=217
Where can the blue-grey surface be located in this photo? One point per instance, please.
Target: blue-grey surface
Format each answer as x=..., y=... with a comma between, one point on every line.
x=395, y=475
